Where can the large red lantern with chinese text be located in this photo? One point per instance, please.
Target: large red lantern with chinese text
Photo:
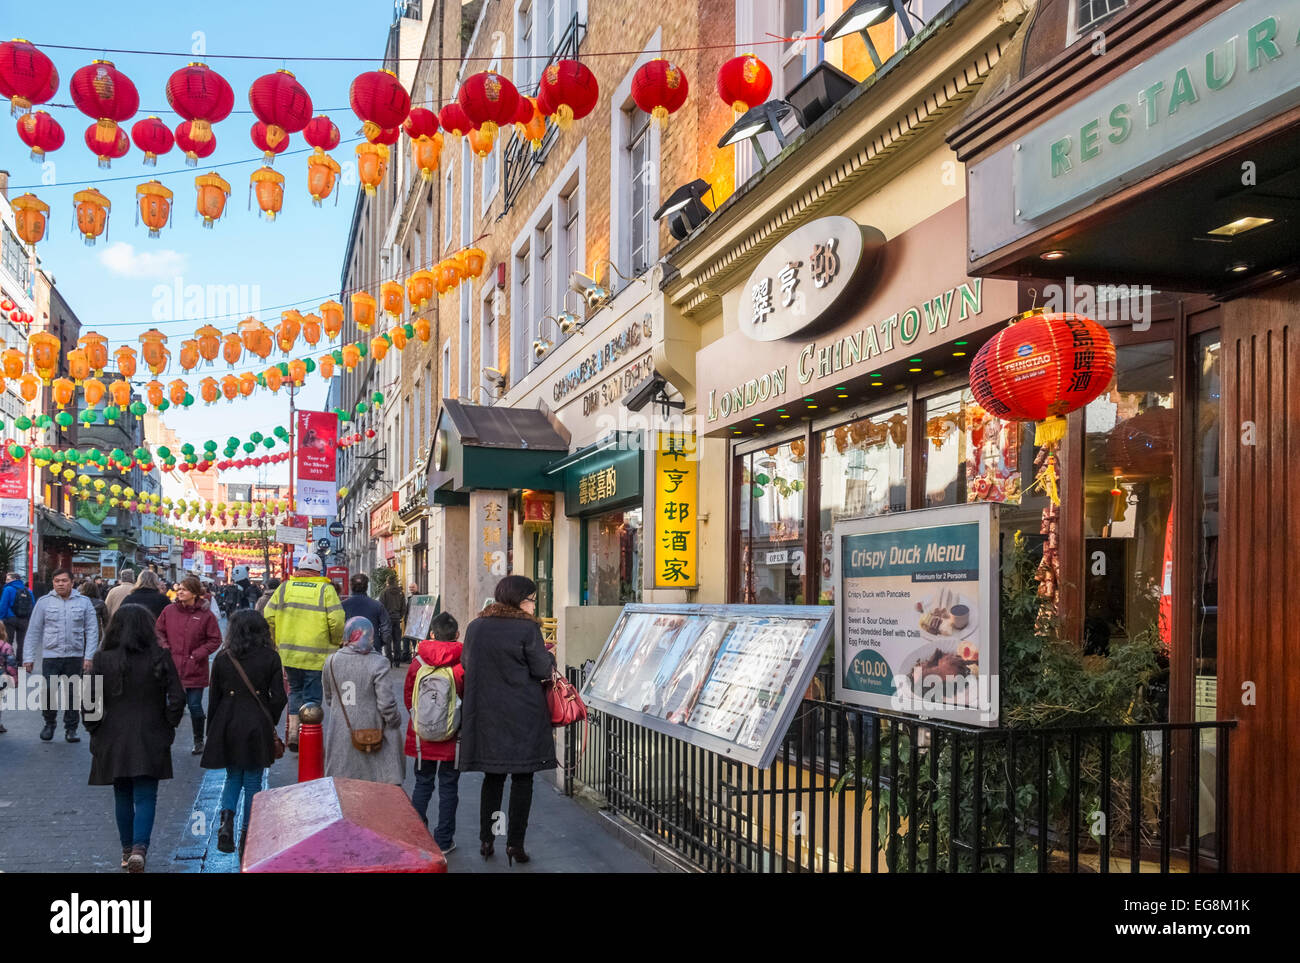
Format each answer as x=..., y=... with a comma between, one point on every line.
x=27, y=76
x=263, y=141
x=104, y=94
x=744, y=82
x=195, y=149
x=378, y=98
x=1040, y=368
x=454, y=120
x=107, y=143
x=571, y=91
x=282, y=104
x=40, y=132
x=489, y=100
x=659, y=88
x=153, y=137
x=202, y=97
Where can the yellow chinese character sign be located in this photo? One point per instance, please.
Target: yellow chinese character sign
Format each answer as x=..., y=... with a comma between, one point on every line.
x=676, y=526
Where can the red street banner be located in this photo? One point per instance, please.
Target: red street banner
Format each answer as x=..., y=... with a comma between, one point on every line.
x=13, y=491
x=317, y=441
x=188, y=549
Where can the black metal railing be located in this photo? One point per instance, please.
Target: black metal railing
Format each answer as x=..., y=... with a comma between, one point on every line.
x=855, y=790
x=520, y=159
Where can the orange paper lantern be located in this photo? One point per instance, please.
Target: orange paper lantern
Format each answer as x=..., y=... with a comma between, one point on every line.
x=176, y=392
x=351, y=356
x=398, y=336
x=273, y=377
x=321, y=171
x=475, y=261
x=363, y=310
x=230, y=387
x=427, y=152
x=390, y=294
x=28, y=385
x=96, y=348
x=325, y=364
x=30, y=214
x=232, y=348
x=119, y=393
x=372, y=165
x=44, y=349
x=213, y=191
x=153, y=391
x=155, y=206
x=287, y=331
x=422, y=329
x=92, y=213
x=311, y=329
x=94, y=391
x=297, y=371
x=480, y=141
x=78, y=365
x=268, y=184
x=189, y=357
x=379, y=347
x=13, y=362
x=419, y=288
x=209, y=339
x=247, y=382
x=209, y=390
x=448, y=275
x=154, y=351
x=125, y=358
x=63, y=391
x=331, y=313
x=256, y=337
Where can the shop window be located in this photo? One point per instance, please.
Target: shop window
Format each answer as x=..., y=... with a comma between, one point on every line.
x=1128, y=495
x=1205, y=538
x=772, y=517
x=641, y=175
x=863, y=473
x=614, y=558
x=1085, y=14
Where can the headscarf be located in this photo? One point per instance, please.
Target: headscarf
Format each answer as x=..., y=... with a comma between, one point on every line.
x=359, y=634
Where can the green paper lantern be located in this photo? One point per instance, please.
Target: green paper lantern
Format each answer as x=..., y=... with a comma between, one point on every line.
x=281, y=432
x=60, y=457
x=308, y=363
x=138, y=408
x=261, y=381
x=255, y=437
x=189, y=399
x=22, y=423
x=338, y=355
x=164, y=452
x=249, y=447
x=64, y=419
x=187, y=449
x=164, y=405
x=361, y=407
x=43, y=421
x=409, y=329
x=209, y=445
x=362, y=349
x=16, y=451
x=112, y=413
x=377, y=397
x=284, y=368
x=232, y=442
x=268, y=442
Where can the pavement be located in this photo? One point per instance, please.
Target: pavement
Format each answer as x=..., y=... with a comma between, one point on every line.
x=51, y=821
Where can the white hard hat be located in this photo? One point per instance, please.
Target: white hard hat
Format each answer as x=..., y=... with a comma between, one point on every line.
x=311, y=563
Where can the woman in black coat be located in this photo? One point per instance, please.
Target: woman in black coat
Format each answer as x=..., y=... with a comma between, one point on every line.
x=505, y=725
x=130, y=743
x=242, y=724
x=149, y=593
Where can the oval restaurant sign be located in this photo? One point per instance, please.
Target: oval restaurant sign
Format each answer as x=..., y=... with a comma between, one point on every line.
x=805, y=275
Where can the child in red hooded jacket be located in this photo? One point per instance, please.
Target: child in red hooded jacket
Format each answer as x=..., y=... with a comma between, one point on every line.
x=436, y=761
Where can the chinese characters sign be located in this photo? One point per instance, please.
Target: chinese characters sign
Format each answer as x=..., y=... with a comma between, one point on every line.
x=676, y=511
x=597, y=486
x=801, y=279
x=606, y=480
x=316, y=439
x=489, y=548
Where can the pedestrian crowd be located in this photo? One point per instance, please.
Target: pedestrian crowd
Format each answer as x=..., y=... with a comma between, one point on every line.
x=472, y=705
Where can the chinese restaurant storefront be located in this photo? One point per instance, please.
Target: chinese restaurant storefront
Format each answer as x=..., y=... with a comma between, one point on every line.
x=603, y=491
x=1155, y=189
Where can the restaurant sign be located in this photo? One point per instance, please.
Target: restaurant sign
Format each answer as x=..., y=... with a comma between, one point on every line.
x=676, y=510
x=1221, y=79
x=605, y=480
x=802, y=278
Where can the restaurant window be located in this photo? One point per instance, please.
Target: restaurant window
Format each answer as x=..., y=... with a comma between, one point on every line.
x=641, y=181
x=772, y=516
x=1128, y=496
x=613, y=557
x=863, y=473
x=1206, y=418
x=1085, y=14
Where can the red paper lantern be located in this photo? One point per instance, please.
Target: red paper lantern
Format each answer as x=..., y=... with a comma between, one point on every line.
x=321, y=133
x=421, y=122
x=263, y=141
x=105, y=94
x=27, y=76
x=384, y=135
x=454, y=120
x=105, y=146
x=571, y=91
x=281, y=103
x=1042, y=367
x=489, y=100
x=378, y=98
x=202, y=97
x=744, y=82
x=40, y=132
x=187, y=139
x=153, y=137
x=659, y=88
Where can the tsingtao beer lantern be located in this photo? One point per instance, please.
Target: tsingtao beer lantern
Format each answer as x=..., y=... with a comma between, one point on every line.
x=1040, y=368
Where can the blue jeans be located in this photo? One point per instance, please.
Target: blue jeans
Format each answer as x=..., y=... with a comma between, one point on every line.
x=194, y=699
x=66, y=668
x=304, y=686
x=135, y=799
x=444, y=834
x=249, y=781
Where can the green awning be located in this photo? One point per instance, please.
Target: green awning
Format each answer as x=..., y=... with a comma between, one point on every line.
x=54, y=525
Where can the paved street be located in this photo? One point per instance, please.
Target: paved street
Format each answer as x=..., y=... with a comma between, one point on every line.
x=52, y=821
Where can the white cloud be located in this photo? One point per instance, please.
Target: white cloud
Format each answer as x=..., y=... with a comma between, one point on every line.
x=122, y=258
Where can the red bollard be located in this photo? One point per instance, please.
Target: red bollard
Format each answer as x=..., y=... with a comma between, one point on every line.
x=311, y=743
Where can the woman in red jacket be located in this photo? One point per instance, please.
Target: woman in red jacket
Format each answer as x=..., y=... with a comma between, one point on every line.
x=189, y=629
x=436, y=759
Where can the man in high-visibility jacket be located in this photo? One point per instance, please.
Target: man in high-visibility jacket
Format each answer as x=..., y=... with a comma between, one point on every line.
x=306, y=620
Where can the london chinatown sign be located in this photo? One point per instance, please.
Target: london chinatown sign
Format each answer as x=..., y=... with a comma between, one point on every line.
x=920, y=297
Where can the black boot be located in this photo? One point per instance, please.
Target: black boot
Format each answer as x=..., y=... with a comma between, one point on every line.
x=198, y=736
x=226, y=831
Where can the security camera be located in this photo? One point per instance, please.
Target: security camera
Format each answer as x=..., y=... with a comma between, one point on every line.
x=653, y=389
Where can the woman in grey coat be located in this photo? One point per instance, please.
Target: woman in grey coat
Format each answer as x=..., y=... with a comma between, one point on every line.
x=356, y=690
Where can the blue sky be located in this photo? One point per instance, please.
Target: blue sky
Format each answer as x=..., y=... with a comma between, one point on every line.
x=126, y=282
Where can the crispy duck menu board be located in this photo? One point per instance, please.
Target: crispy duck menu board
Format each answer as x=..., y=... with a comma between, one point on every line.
x=728, y=678
x=917, y=613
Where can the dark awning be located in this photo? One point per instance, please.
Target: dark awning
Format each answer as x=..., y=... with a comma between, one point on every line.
x=488, y=447
x=54, y=525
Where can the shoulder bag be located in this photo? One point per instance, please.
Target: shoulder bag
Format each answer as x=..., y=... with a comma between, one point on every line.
x=277, y=742
x=562, y=700
x=363, y=740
